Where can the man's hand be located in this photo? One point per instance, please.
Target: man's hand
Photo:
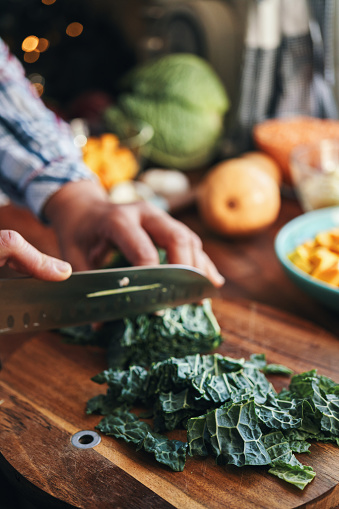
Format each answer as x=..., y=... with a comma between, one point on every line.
x=89, y=226
x=21, y=256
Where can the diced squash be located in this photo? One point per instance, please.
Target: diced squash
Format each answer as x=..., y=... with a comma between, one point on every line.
x=319, y=257
x=112, y=162
x=300, y=258
x=322, y=259
x=330, y=275
x=324, y=239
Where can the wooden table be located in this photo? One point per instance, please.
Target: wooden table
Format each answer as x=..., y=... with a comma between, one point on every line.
x=255, y=286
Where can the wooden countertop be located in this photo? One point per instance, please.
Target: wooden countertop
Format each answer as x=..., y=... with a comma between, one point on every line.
x=254, y=281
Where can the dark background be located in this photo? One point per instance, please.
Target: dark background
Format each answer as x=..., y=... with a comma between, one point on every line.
x=95, y=60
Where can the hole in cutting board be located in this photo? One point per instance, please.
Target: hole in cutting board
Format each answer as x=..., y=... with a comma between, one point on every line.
x=85, y=439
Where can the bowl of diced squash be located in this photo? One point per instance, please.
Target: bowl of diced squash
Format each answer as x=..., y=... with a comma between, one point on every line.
x=308, y=249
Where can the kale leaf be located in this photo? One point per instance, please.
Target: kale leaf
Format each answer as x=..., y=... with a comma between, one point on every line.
x=235, y=436
x=294, y=473
x=124, y=424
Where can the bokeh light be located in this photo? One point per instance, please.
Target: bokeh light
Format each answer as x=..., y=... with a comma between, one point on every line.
x=36, y=78
x=48, y=2
x=43, y=44
x=38, y=88
x=80, y=132
x=74, y=29
x=30, y=43
x=31, y=56
x=80, y=140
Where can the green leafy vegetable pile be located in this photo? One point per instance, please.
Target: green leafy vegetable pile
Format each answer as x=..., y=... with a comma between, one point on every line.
x=229, y=408
x=149, y=338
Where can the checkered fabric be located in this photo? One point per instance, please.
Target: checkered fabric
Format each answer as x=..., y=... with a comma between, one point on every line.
x=287, y=66
x=37, y=151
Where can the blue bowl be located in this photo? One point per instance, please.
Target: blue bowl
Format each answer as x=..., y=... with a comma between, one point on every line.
x=296, y=232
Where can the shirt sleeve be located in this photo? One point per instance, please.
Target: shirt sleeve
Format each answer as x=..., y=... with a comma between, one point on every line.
x=37, y=151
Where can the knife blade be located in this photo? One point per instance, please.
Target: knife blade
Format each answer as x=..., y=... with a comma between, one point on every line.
x=30, y=304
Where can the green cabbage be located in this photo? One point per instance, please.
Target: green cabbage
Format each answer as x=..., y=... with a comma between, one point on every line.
x=183, y=99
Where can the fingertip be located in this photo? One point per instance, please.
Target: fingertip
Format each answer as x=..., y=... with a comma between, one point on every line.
x=61, y=268
x=215, y=277
x=219, y=280
x=213, y=274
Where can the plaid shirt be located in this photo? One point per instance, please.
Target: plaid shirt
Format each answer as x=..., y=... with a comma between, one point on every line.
x=37, y=152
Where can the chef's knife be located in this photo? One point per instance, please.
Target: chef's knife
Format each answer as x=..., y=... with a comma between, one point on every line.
x=29, y=304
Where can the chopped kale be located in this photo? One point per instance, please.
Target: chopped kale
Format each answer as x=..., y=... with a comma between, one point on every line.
x=229, y=408
x=270, y=369
x=124, y=424
x=180, y=331
x=148, y=338
x=277, y=369
x=294, y=473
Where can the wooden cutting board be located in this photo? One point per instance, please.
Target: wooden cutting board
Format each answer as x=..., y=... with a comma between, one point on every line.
x=44, y=386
